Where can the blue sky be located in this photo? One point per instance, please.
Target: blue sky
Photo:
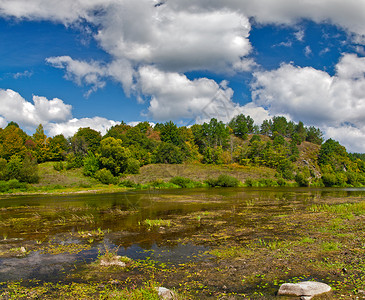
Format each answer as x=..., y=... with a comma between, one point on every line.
x=81, y=63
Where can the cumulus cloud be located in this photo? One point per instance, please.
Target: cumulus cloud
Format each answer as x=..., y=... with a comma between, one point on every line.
x=70, y=127
x=13, y=107
x=54, y=115
x=334, y=103
x=93, y=73
x=174, y=96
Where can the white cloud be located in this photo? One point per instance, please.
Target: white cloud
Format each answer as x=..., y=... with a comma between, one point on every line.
x=88, y=73
x=3, y=122
x=70, y=127
x=22, y=74
x=54, y=115
x=315, y=97
x=307, y=51
x=14, y=107
x=299, y=35
x=351, y=137
x=173, y=96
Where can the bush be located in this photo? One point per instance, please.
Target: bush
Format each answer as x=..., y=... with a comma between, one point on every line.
x=91, y=165
x=329, y=179
x=58, y=166
x=301, y=180
x=267, y=182
x=105, y=176
x=74, y=161
x=127, y=183
x=281, y=182
x=6, y=186
x=223, y=181
x=182, y=182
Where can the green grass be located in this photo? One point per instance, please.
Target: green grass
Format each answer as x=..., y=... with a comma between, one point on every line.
x=156, y=223
x=341, y=209
x=48, y=291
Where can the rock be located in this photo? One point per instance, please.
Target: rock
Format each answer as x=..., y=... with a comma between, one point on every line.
x=306, y=289
x=166, y=294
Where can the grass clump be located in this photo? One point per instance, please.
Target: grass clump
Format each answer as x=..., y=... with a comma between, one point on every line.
x=156, y=223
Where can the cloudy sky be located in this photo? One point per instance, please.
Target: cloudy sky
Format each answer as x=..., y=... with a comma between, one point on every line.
x=78, y=63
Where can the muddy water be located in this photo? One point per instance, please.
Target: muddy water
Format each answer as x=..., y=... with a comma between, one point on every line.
x=52, y=238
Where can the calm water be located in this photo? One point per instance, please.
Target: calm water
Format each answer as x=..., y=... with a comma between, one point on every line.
x=38, y=222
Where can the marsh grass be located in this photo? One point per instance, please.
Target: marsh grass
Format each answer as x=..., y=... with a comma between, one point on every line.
x=156, y=223
x=75, y=291
x=343, y=209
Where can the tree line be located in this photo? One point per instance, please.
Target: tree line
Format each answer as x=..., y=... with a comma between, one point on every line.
x=124, y=149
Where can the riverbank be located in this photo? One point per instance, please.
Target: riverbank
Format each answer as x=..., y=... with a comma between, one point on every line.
x=154, y=176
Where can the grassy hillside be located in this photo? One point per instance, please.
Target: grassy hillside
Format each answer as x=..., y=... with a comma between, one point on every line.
x=199, y=172
x=50, y=178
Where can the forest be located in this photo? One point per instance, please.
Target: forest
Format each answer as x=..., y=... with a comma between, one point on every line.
x=124, y=149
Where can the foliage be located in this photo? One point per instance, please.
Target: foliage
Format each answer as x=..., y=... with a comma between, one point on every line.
x=301, y=179
x=113, y=156
x=91, y=165
x=182, y=182
x=58, y=166
x=242, y=126
x=169, y=133
x=223, y=181
x=13, y=184
x=84, y=140
x=105, y=176
x=132, y=166
x=167, y=153
x=74, y=160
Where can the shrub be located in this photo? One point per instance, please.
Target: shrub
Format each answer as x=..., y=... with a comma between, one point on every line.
x=227, y=181
x=182, y=182
x=58, y=166
x=74, y=161
x=127, y=183
x=301, y=180
x=223, y=181
x=329, y=179
x=91, y=165
x=281, y=182
x=105, y=176
x=6, y=186
x=267, y=182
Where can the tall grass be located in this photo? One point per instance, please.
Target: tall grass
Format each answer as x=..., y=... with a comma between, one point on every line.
x=342, y=209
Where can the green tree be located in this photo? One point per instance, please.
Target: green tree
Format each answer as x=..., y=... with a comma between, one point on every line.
x=91, y=164
x=85, y=140
x=266, y=128
x=12, y=141
x=167, y=153
x=301, y=131
x=314, y=135
x=242, y=126
x=113, y=156
x=58, y=147
x=334, y=155
x=279, y=125
x=42, y=150
x=170, y=134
